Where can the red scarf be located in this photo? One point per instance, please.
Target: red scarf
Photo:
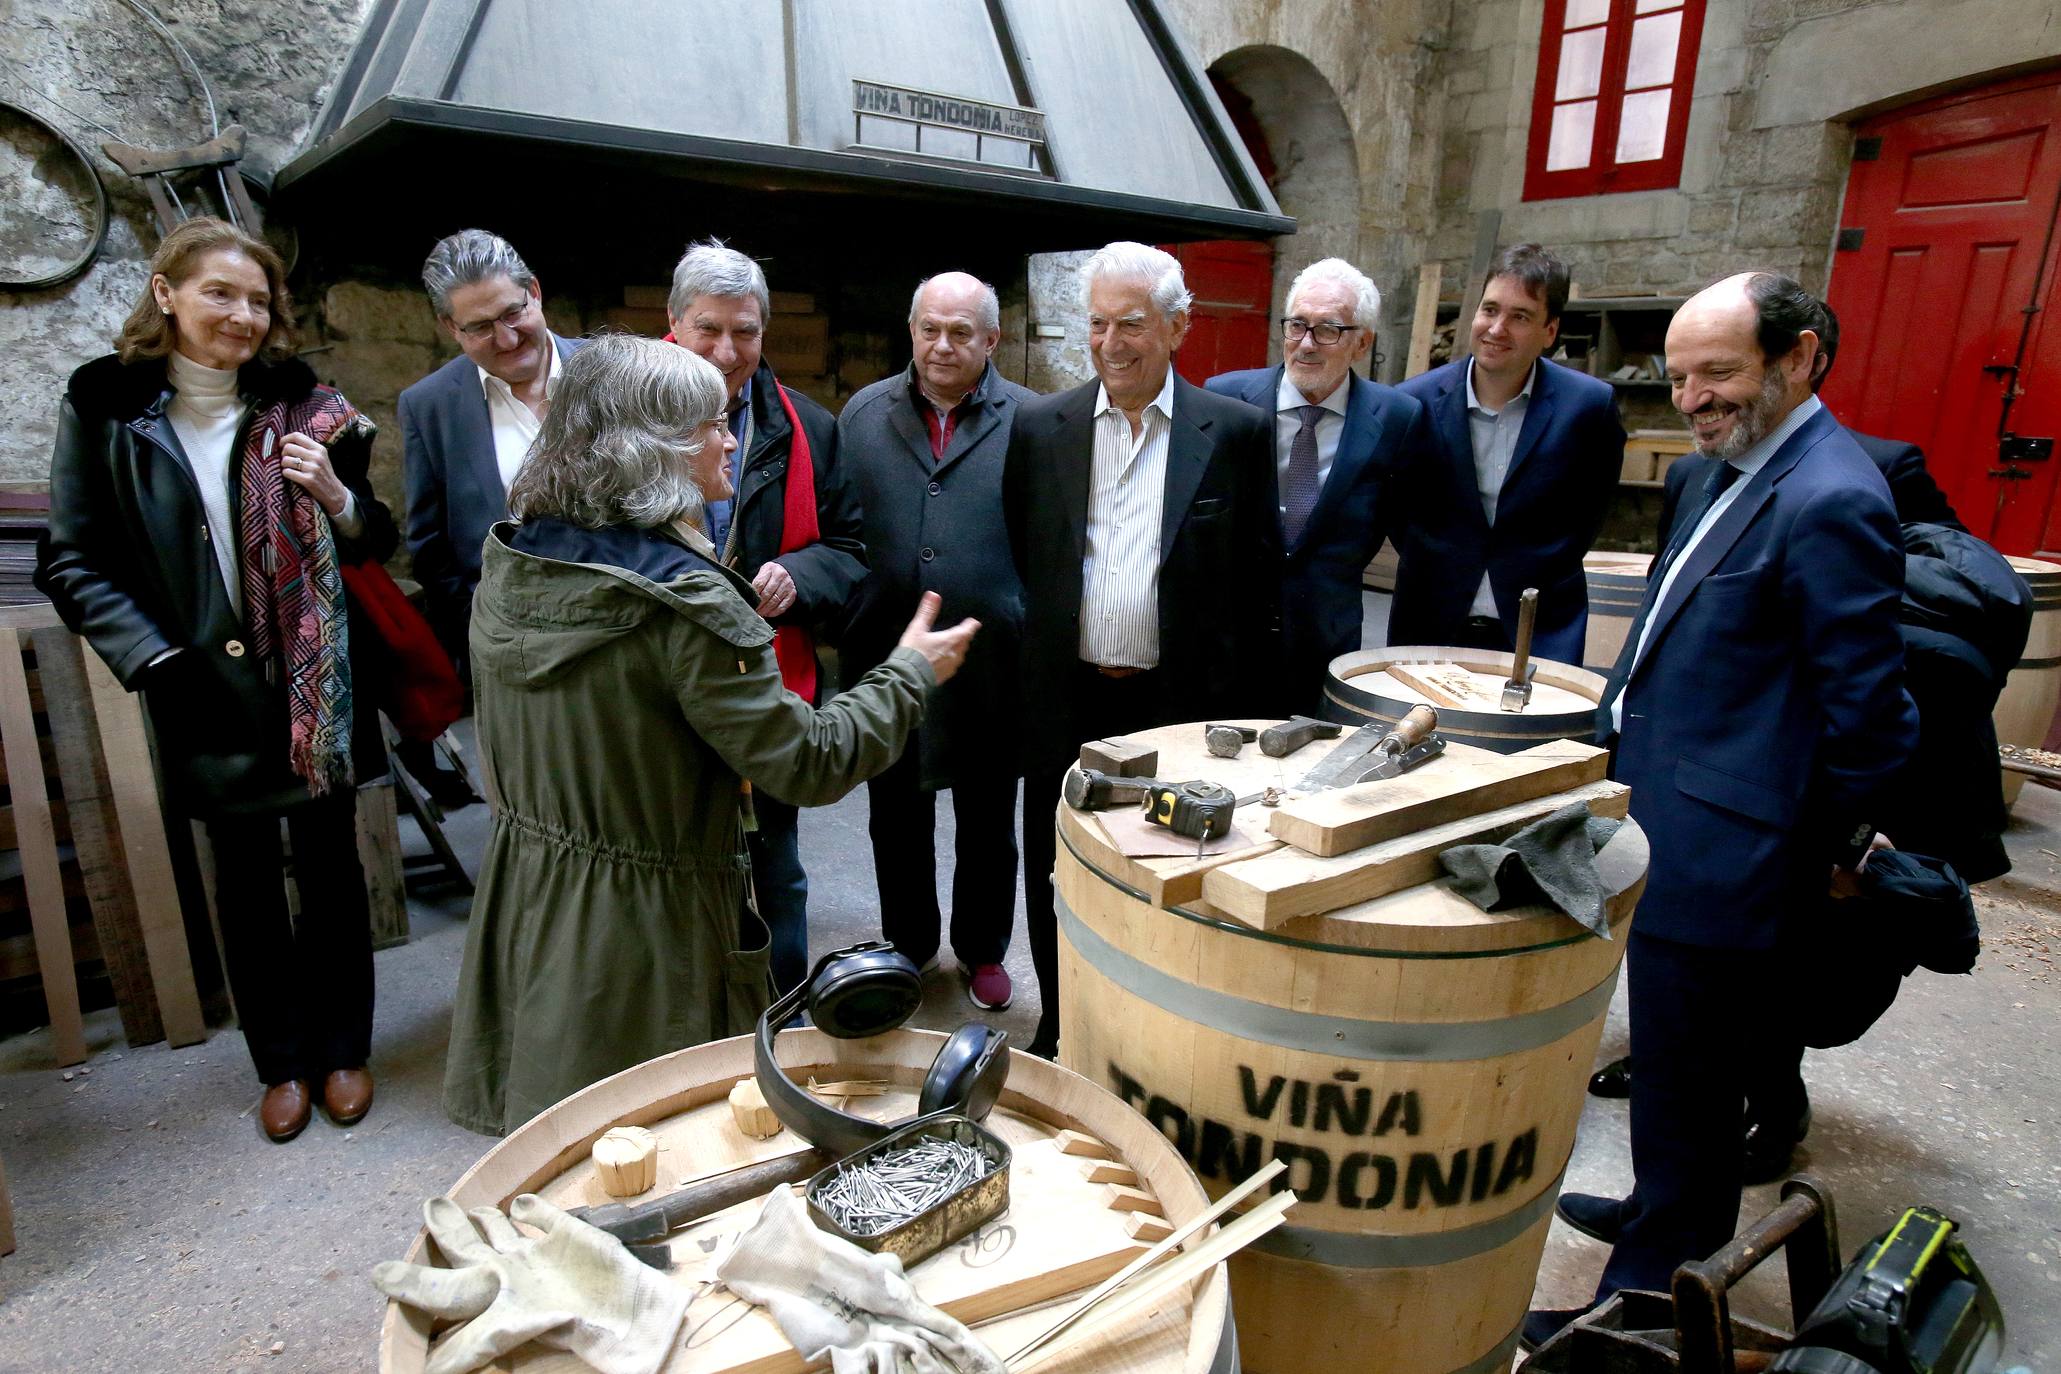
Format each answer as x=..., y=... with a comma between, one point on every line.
x=794, y=648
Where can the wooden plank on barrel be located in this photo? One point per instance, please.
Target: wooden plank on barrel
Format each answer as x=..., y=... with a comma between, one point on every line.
x=29, y=792
x=1461, y=782
x=133, y=784
x=96, y=838
x=1267, y=891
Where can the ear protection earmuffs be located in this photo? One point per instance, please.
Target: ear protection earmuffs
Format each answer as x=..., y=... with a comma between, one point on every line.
x=869, y=989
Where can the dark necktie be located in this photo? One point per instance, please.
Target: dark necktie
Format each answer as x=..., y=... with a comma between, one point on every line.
x=1299, y=489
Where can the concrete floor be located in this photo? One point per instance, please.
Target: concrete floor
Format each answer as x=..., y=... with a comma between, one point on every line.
x=159, y=1231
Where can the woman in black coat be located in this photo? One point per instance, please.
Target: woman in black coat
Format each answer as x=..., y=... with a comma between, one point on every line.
x=205, y=492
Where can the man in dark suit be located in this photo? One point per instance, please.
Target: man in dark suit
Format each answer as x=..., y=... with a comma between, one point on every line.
x=466, y=426
x=1760, y=717
x=1142, y=519
x=804, y=557
x=924, y=451
x=1524, y=466
x=1339, y=443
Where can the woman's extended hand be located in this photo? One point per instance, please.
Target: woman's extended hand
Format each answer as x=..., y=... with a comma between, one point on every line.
x=306, y=464
x=946, y=649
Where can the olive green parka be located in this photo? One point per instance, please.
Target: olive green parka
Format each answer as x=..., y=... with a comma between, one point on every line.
x=616, y=718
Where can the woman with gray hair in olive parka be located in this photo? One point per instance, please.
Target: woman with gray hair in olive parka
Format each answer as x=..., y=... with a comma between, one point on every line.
x=626, y=685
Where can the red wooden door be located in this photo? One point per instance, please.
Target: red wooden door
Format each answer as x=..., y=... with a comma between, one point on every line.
x=1232, y=319
x=1945, y=299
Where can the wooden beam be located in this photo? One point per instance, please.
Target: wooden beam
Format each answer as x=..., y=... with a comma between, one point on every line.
x=96, y=836
x=1424, y=322
x=379, y=851
x=37, y=839
x=1487, y=224
x=133, y=784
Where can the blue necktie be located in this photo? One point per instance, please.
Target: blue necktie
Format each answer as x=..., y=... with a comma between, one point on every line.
x=1299, y=489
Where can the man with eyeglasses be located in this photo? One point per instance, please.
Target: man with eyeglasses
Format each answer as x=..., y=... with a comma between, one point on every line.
x=1522, y=470
x=792, y=529
x=1339, y=441
x=466, y=426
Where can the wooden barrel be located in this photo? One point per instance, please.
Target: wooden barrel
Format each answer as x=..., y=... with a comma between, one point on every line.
x=1059, y=1235
x=2025, y=710
x=1617, y=584
x=1360, y=691
x=1419, y=1063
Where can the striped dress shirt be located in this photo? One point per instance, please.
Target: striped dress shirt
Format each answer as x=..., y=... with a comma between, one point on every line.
x=1126, y=502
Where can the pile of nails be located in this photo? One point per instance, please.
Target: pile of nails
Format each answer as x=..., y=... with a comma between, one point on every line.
x=887, y=1189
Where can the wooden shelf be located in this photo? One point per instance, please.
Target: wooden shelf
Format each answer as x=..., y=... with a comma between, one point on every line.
x=1640, y=485
x=1636, y=382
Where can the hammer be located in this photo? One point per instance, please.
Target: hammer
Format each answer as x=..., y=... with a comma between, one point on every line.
x=1279, y=741
x=1090, y=789
x=1517, y=691
x=1225, y=741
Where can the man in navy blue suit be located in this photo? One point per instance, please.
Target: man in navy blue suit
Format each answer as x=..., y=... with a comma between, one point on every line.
x=1760, y=718
x=1340, y=441
x=466, y=426
x=1523, y=468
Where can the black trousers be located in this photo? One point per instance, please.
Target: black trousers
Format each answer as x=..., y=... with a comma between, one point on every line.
x=1703, y=1036
x=303, y=985
x=902, y=823
x=1099, y=707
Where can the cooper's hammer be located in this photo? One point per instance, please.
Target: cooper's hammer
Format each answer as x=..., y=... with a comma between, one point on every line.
x=1279, y=741
x=1517, y=691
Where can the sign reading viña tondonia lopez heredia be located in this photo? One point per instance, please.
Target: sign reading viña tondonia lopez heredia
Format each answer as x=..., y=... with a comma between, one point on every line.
x=948, y=111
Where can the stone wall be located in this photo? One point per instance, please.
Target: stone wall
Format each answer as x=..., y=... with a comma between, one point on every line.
x=1778, y=83
x=99, y=72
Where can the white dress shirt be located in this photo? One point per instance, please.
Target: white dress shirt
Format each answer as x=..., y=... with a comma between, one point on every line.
x=1126, y=504
x=515, y=424
x=1494, y=436
x=1749, y=463
x=1288, y=404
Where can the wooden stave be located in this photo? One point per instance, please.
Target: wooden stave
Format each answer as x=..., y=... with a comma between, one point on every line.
x=1617, y=585
x=1355, y=706
x=563, y=1136
x=1259, y=1273
x=2025, y=709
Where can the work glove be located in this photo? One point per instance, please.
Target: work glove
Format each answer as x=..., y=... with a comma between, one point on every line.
x=837, y=1302
x=575, y=1287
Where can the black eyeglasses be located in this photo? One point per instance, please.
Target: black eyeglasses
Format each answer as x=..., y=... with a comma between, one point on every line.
x=1325, y=333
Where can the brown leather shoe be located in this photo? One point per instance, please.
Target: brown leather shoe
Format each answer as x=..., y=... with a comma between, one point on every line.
x=347, y=1096
x=285, y=1111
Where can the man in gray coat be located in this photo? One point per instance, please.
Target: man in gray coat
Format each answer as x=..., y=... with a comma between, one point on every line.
x=924, y=450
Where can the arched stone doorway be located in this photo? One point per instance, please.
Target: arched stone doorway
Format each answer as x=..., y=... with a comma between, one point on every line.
x=1299, y=137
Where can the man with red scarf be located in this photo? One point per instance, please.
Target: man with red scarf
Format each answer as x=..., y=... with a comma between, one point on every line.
x=792, y=528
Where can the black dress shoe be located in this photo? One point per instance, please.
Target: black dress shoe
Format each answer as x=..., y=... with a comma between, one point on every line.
x=1598, y=1218
x=1771, y=1146
x=1542, y=1324
x=1613, y=1079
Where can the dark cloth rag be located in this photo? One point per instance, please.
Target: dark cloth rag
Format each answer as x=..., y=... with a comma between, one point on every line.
x=1551, y=861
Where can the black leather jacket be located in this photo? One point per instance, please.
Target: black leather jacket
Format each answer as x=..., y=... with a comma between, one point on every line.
x=129, y=564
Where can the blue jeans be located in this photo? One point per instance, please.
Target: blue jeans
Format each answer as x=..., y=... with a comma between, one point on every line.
x=782, y=887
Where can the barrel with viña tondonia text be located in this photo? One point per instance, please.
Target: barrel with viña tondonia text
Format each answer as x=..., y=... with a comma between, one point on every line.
x=1417, y=1062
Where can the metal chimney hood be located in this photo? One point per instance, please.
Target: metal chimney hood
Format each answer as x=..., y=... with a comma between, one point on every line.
x=1041, y=124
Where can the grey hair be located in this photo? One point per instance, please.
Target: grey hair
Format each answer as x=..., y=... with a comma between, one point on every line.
x=468, y=256
x=612, y=450
x=712, y=268
x=988, y=314
x=1127, y=261
x=1366, y=295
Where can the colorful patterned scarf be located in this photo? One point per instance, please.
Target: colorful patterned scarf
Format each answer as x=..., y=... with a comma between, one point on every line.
x=293, y=591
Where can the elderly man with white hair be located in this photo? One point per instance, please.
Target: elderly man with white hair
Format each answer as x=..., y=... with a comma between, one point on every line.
x=1142, y=519
x=792, y=530
x=1340, y=446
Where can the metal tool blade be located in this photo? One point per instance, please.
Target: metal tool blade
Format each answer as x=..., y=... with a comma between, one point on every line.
x=1395, y=765
x=1347, y=760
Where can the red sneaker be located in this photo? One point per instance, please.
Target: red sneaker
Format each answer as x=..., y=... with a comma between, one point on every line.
x=989, y=987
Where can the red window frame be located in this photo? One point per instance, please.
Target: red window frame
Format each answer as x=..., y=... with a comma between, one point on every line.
x=1603, y=175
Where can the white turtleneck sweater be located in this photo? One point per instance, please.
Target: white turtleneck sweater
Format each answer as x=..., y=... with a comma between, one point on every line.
x=205, y=413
